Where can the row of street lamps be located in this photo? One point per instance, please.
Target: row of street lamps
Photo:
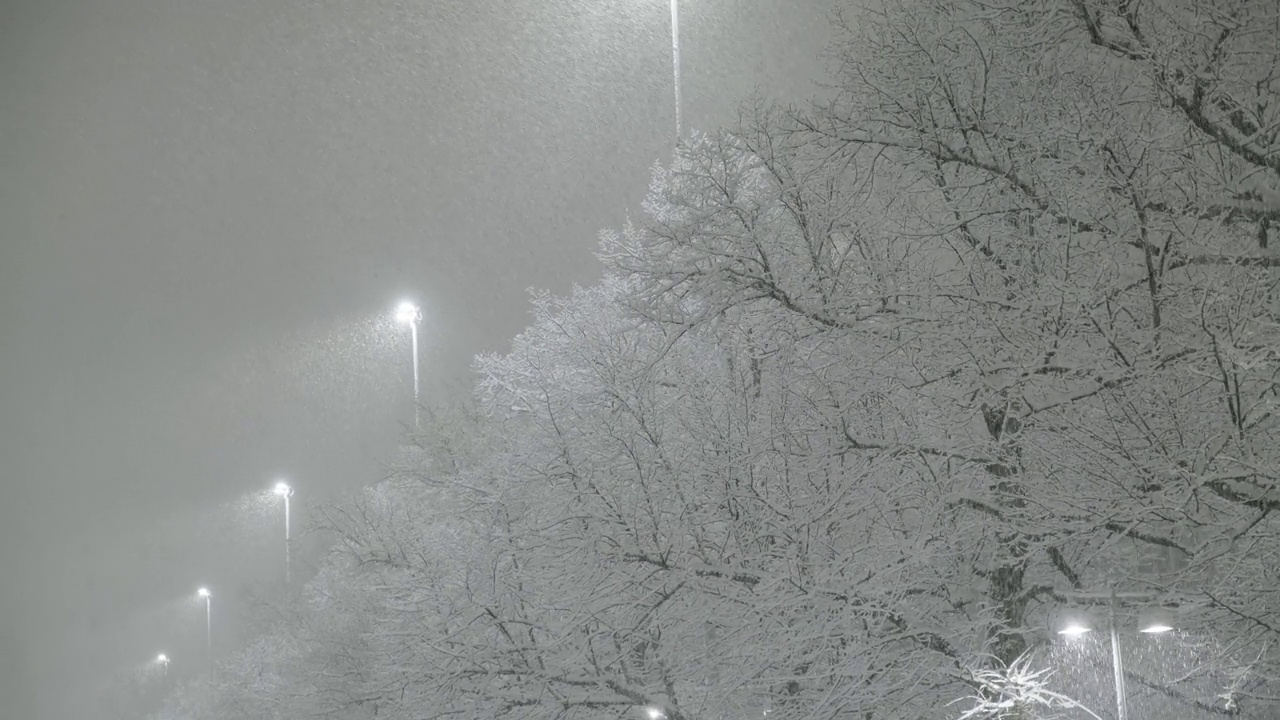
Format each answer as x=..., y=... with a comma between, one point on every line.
x=411, y=315
x=407, y=313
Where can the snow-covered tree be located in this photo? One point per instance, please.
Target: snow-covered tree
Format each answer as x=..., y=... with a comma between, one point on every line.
x=1059, y=267
x=867, y=397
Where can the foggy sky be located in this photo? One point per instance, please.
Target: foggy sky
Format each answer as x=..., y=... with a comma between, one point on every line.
x=208, y=208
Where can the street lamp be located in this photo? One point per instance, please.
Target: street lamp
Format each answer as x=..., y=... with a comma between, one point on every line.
x=164, y=662
x=1151, y=621
x=283, y=490
x=655, y=713
x=411, y=315
x=208, y=621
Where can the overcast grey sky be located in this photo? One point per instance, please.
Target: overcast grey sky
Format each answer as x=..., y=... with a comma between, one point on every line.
x=208, y=206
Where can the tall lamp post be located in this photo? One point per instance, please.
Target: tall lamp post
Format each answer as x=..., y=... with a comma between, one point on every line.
x=208, y=623
x=283, y=490
x=411, y=315
x=1153, y=625
x=675, y=58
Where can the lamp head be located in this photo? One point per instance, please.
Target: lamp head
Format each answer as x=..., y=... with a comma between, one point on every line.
x=654, y=713
x=1072, y=621
x=203, y=592
x=283, y=489
x=1156, y=620
x=1074, y=629
x=407, y=312
x=162, y=658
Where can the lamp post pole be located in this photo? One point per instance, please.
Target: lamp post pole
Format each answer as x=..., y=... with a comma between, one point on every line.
x=675, y=58
x=1117, y=662
x=208, y=629
x=412, y=315
x=284, y=491
x=288, y=579
x=208, y=624
x=417, y=398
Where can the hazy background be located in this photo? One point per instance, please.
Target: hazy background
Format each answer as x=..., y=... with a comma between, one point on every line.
x=207, y=210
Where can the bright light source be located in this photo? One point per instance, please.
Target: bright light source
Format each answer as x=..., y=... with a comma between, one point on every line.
x=163, y=658
x=654, y=713
x=203, y=592
x=408, y=313
x=1073, y=630
x=1154, y=620
x=283, y=489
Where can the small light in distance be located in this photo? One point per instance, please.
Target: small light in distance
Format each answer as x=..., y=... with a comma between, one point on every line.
x=283, y=489
x=1157, y=628
x=162, y=658
x=654, y=713
x=203, y=592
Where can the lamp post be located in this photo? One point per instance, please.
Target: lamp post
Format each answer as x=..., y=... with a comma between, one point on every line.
x=675, y=58
x=283, y=490
x=208, y=622
x=1153, y=624
x=412, y=315
x=1117, y=661
x=164, y=663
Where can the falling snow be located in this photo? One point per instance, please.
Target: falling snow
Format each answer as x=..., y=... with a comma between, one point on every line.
x=822, y=367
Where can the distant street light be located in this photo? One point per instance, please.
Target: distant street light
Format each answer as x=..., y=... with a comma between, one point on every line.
x=283, y=490
x=655, y=713
x=208, y=620
x=1151, y=621
x=164, y=662
x=411, y=315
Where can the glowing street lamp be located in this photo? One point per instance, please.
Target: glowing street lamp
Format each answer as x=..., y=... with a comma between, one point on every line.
x=1154, y=621
x=163, y=660
x=407, y=312
x=411, y=315
x=283, y=490
x=1074, y=630
x=208, y=620
x=655, y=713
x=1151, y=621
